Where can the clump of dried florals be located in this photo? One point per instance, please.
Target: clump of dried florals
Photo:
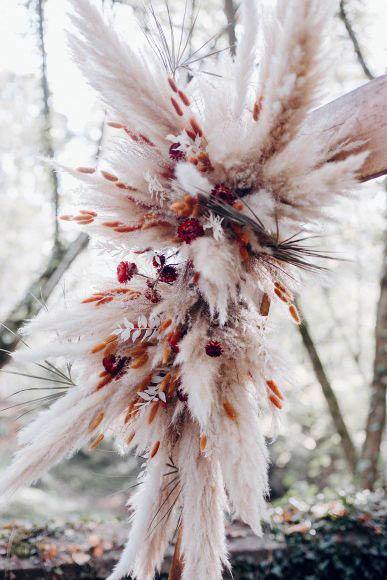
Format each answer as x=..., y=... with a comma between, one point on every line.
x=212, y=187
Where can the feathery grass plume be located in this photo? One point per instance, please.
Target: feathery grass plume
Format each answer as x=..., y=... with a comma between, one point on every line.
x=208, y=205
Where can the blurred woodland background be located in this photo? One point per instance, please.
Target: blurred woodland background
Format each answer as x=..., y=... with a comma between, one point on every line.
x=331, y=443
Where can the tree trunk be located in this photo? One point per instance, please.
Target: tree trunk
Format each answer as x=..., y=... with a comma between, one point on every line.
x=47, y=146
x=229, y=10
x=368, y=464
x=330, y=396
x=39, y=291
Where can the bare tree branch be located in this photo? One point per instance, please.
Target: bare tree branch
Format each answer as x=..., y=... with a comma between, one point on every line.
x=47, y=146
x=376, y=419
x=230, y=10
x=330, y=396
x=354, y=40
x=37, y=294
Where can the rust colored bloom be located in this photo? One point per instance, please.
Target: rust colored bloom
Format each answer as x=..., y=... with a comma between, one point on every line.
x=153, y=296
x=175, y=152
x=189, y=230
x=168, y=274
x=214, y=348
x=114, y=364
x=224, y=193
x=126, y=271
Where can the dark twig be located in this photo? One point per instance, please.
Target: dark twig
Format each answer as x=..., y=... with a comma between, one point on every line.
x=354, y=40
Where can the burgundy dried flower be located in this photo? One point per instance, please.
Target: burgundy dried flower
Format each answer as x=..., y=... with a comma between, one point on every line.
x=113, y=364
x=175, y=152
x=168, y=274
x=126, y=271
x=158, y=261
x=153, y=296
x=224, y=193
x=214, y=348
x=189, y=230
x=183, y=397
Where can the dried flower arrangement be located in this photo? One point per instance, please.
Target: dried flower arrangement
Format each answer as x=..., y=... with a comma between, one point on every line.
x=211, y=193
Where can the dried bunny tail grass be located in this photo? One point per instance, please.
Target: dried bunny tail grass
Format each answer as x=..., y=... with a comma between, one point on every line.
x=204, y=504
x=151, y=527
x=132, y=86
x=291, y=70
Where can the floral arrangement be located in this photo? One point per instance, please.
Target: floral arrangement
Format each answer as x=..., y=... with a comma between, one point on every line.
x=210, y=193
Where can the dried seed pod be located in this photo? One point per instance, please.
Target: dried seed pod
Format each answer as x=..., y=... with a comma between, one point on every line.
x=166, y=354
x=153, y=412
x=276, y=402
x=96, y=421
x=265, y=305
x=131, y=437
x=103, y=382
x=177, y=107
x=139, y=362
x=281, y=295
x=294, y=314
x=173, y=85
x=274, y=387
x=97, y=441
x=184, y=98
x=230, y=410
x=86, y=170
x=166, y=324
x=163, y=387
x=154, y=449
x=109, y=176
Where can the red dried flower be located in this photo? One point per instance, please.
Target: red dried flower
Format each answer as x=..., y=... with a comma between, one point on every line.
x=189, y=230
x=126, y=271
x=158, y=260
x=183, y=397
x=175, y=152
x=153, y=296
x=224, y=193
x=214, y=348
x=168, y=274
x=113, y=364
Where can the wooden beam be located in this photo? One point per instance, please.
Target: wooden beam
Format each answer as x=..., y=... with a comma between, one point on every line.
x=366, y=109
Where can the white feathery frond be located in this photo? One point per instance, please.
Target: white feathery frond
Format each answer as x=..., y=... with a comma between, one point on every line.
x=202, y=486
x=130, y=84
x=246, y=54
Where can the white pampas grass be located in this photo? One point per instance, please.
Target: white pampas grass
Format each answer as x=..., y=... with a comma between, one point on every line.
x=204, y=503
x=246, y=54
x=201, y=206
x=131, y=84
